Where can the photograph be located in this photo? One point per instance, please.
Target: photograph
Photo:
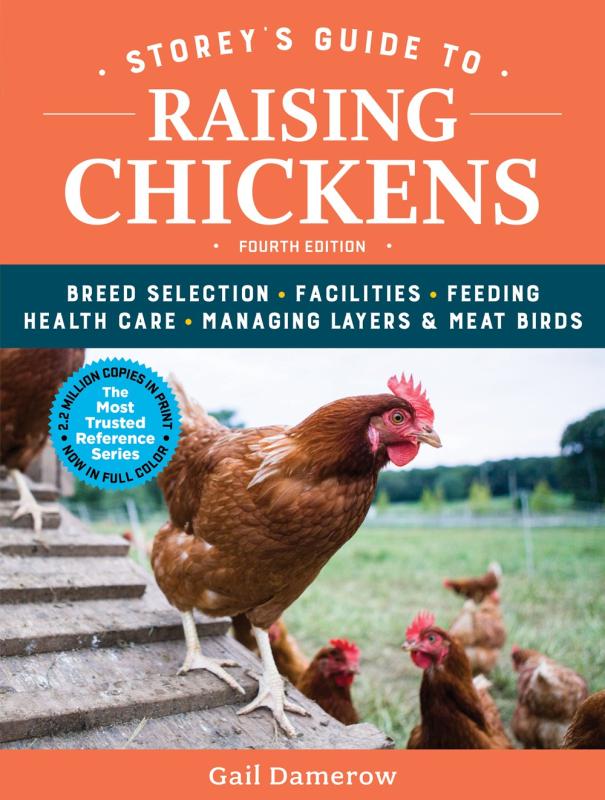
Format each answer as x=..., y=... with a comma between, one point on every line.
x=348, y=549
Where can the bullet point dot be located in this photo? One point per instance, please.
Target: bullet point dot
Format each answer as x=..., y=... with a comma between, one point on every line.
x=187, y=321
x=504, y=73
x=166, y=438
x=389, y=245
x=102, y=73
x=281, y=295
x=433, y=295
x=64, y=438
x=215, y=245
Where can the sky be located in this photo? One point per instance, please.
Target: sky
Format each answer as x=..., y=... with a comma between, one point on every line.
x=489, y=404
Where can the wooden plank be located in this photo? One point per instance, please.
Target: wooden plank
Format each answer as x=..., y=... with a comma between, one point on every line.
x=35, y=580
x=108, y=687
x=95, y=668
x=60, y=542
x=51, y=711
x=51, y=627
x=216, y=729
x=43, y=492
x=51, y=517
x=116, y=689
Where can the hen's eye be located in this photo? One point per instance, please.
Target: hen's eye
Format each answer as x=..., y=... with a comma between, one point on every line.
x=397, y=417
x=432, y=638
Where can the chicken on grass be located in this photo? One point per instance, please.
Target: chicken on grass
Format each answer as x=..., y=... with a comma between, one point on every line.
x=456, y=712
x=329, y=677
x=587, y=729
x=479, y=626
x=256, y=513
x=29, y=381
x=477, y=589
x=548, y=696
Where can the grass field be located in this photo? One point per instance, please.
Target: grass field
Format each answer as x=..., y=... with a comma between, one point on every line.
x=373, y=587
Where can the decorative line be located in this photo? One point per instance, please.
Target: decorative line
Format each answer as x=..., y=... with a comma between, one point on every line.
x=88, y=114
x=515, y=113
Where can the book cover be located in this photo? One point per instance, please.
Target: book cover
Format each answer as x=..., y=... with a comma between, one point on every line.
x=302, y=414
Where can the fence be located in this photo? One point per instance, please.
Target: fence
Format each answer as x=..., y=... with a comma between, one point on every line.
x=466, y=519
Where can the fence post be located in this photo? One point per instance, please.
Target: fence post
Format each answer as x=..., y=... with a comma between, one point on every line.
x=527, y=531
x=137, y=531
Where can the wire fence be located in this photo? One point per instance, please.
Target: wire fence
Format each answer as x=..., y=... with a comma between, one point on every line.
x=142, y=522
x=129, y=513
x=504, y=519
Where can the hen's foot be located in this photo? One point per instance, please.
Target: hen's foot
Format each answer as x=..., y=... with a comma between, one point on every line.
x=30, y=506
x=271, y=695
x=195, y=660
x=27, y=502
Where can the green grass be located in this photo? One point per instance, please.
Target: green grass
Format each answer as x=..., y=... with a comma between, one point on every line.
x=374, y=586
x=497, y=505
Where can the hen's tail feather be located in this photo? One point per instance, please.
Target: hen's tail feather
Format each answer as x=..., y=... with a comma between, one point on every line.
x=181, y=481
x=193, y=416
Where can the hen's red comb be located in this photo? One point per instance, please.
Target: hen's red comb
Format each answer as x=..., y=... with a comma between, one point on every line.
x=422, y=620
x=350, y=649
x=415, y=395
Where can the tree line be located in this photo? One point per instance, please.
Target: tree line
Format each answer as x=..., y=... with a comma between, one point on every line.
x=579, y=470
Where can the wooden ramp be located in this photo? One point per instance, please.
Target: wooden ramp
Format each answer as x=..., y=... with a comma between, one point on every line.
x=89, y=651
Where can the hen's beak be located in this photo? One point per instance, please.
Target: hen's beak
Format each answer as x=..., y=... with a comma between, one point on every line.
x=429, y=436
x=407, y=645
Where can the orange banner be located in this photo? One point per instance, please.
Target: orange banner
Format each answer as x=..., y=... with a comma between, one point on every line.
x=523, y=82
x=234, y=774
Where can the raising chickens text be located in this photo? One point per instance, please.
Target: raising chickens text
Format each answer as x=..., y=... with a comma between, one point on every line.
x=332, y=189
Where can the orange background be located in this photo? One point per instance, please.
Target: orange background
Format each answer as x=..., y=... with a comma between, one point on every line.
x=52, y=53
x=498, y=775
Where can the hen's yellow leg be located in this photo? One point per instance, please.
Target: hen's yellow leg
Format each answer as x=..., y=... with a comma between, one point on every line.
x=27, y=502
x=195, y=660
x=271, y=688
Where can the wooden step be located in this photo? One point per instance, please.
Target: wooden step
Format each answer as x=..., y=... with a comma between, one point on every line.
x=51, y=627
x=50, y=711
x=217, y=728
x=60, y=542
x=71, y=537
x=45, y=580
x=96, y=668
x=57, y=693
x=51, y=516
x=134, y=688
x=43, y=492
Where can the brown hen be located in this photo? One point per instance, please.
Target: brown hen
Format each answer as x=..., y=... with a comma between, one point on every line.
x=29, y=381
x=456, y=712
x=480, y=625
x=548, y=696
x=329, y=677
x=256, y=513
x=587, y=729
x=477, y=589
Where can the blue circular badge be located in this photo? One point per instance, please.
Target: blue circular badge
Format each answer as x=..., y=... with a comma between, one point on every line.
x=115, y=423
